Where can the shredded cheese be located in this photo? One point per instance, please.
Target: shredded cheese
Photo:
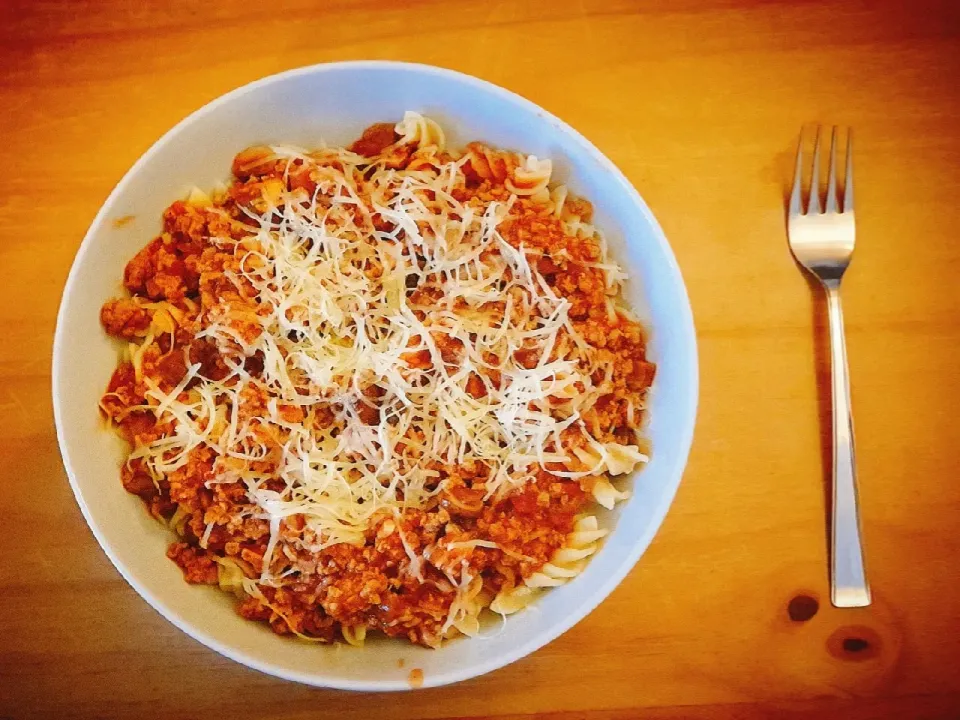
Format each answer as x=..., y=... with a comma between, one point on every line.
x=381, y=301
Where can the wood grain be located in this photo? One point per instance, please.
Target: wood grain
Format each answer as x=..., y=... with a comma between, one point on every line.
x=699, y=102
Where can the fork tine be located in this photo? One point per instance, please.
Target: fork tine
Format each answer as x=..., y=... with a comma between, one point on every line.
x=795, y=200
x=848, y=180
x=832, y=180
x=814, y=204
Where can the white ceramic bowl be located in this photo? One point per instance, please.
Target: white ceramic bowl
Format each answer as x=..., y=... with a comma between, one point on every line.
x=335, y=102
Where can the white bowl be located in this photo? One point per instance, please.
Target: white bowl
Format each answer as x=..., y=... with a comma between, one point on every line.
x=335, y=102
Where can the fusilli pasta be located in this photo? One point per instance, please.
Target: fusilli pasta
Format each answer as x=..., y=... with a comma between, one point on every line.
x=566, y=564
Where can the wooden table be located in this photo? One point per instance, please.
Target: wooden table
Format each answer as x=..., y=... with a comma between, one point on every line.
x=700, y=103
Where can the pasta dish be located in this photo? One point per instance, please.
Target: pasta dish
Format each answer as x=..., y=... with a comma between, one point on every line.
x=378, y=388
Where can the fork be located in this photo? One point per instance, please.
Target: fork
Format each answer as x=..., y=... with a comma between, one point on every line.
x=822, y=243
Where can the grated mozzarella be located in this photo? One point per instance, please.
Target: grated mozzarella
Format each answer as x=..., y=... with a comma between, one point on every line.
x=340, y=327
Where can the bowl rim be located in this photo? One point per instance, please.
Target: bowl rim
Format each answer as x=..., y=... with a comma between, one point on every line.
x=597, y=593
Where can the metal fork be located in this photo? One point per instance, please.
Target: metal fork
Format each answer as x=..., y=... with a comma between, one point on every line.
x=822, y=242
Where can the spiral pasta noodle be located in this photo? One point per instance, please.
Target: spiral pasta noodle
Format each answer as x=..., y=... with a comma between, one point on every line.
x=415, y=129
x=612, y=459
x=354, y=635
x=491, y=164
x=566, y=564
x=531, y=178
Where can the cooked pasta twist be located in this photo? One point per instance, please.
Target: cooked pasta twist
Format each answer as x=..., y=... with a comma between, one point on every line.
x=354, y=634
x=531, y=178
x=566, y=564
x=490, y=164
x=465, y=614
x=614, y=459
x=230, y=576
x=415, y=129
x=525, y=176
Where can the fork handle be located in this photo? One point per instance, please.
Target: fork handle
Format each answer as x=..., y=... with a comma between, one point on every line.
x=848, y=581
